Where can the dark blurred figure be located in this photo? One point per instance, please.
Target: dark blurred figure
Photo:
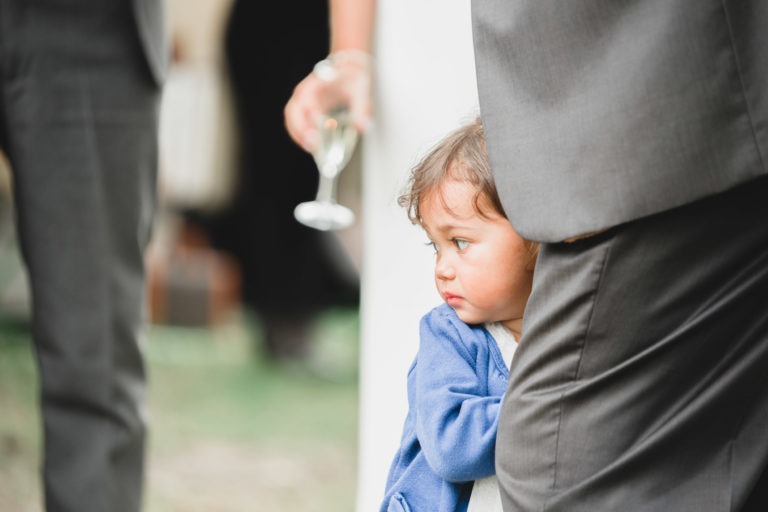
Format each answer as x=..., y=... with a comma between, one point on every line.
x=290, y=272
x=79, y=99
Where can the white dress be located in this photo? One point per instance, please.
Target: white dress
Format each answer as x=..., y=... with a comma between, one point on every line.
x=485, y=495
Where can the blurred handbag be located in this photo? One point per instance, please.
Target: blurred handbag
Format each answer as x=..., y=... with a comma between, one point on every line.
x=197, y=139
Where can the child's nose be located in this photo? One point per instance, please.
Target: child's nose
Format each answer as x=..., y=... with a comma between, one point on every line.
x=444, y=269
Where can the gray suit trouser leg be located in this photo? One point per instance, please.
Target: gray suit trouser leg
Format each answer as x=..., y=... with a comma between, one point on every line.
x=641, y=381
x=79, y=116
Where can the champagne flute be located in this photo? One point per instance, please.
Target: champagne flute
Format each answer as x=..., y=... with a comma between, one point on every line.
x=337, y=141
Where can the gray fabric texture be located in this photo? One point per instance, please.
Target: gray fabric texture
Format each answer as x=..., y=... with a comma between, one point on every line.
x=640, y=381
x=598, y=112
x=78, y=106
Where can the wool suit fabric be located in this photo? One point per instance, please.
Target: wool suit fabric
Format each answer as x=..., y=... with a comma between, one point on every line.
x=81, y=82
x=639, y=383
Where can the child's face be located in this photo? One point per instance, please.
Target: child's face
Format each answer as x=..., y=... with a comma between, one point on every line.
x=482, y=266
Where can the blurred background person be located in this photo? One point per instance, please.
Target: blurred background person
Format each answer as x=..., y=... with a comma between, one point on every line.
x=81, y=86
x=290, y=272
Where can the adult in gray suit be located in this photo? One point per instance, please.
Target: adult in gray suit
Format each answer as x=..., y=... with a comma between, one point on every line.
x=631, y=139
x=79, y=91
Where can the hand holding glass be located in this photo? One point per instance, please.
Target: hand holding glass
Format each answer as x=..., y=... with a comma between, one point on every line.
x=337, y=141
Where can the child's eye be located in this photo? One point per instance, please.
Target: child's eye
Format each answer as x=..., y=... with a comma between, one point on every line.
x=434, y=246
x=460, y=244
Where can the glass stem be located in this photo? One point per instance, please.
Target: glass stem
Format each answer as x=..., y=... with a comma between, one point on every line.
x=326, y=189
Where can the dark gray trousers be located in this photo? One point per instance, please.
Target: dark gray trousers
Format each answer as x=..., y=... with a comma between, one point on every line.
x=78, y=120
x=641, y=381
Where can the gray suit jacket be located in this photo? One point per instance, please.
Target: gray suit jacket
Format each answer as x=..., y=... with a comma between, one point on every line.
x=599, y=112
x=150, y=21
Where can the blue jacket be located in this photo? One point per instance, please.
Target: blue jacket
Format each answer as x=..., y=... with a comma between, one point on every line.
x=455, y=387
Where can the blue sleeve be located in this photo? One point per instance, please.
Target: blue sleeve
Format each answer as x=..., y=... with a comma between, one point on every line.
x=456, y=419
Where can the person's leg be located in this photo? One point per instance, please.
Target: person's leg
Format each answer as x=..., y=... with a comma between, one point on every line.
x=81, y=114
x=640, y=382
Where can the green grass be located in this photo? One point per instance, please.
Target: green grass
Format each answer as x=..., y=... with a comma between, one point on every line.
x=229, y=431
x=19, y=422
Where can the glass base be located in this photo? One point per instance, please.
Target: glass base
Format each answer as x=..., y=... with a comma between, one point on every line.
x=324, y=216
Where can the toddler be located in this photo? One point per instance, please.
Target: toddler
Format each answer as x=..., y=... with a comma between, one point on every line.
x=484, y=273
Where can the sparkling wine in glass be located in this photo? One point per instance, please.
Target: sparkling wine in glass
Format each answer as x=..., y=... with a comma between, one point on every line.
x=338, y=139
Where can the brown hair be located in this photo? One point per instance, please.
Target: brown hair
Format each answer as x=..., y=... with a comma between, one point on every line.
x=462, y=155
